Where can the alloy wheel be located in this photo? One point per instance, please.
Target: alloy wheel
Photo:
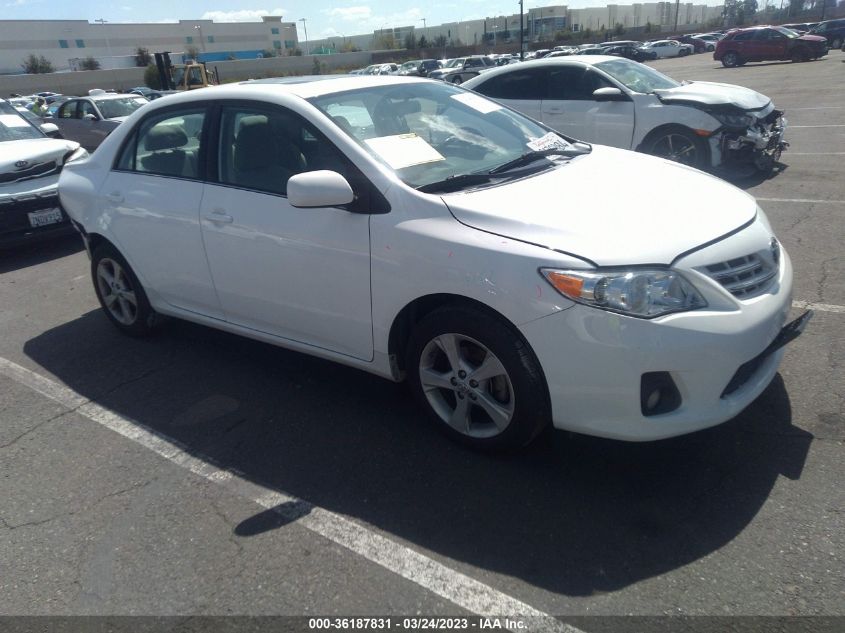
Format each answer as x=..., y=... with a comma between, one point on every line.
x=466, y=385
x=676, y=147
x=116, y=291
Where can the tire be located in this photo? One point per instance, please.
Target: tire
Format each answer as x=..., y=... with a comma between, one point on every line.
x=120, y=293
x=711, y=48
x=678, y=144
x=506, y=407
x=457, y=80
x=836, y=43
x=731, y=59
x=800, y=55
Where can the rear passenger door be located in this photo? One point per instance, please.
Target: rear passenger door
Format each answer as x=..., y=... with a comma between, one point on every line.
x=152, y=197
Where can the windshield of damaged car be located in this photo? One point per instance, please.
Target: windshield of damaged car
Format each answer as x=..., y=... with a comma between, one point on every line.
x=788, y=32
x=429, y=132
x=637, y=77
x=13, y=127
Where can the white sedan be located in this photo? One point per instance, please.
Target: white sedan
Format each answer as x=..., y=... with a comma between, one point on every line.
x=668, y=48
x=621, y=103
x=416, y=230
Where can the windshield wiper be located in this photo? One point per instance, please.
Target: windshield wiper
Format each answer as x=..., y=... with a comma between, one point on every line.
x=455, y=182
x=529, y=157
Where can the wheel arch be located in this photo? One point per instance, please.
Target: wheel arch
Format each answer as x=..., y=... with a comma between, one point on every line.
x=405, y=320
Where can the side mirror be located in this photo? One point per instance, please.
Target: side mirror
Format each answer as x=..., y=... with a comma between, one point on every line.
x=89, y=117
x=609, y=94
x=319, y=189
x=50, y=129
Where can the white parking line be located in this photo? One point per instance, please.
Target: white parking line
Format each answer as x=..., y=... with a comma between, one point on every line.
x=458, y=588
x=801, y=200
x=792, y=127
x=821, y=307
x=831, y=107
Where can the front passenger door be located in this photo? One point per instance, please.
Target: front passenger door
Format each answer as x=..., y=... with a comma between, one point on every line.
x=298, y=274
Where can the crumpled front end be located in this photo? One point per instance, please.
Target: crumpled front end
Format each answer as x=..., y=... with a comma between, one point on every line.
x=758, y=145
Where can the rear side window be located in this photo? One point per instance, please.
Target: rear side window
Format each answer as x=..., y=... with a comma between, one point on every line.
x=744, y=37
x=68, y=110
x=519, y=84
x=166, y=145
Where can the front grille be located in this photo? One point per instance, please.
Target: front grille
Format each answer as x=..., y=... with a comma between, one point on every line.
x=42, y=169
x=744, y=277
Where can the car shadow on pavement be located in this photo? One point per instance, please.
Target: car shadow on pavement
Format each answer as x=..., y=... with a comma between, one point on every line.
x=39, y=252
x=571, y=514
x=754, y=177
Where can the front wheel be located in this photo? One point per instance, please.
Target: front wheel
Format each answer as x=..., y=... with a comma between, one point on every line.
x=800, y=55
x=836, y=43
x=677, y=144
x=478, y=379
x=120, y=293
x=731, y=59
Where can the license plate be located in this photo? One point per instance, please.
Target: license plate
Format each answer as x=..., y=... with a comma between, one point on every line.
x=45, y=217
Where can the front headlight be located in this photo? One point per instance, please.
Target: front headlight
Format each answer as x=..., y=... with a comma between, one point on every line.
x=734, y=119
x=643, y=293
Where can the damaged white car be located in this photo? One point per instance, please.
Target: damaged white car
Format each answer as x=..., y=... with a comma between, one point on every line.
x=625, y=104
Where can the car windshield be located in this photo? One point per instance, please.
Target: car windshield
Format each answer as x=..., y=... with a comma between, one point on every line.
x=788, y=32
x=429, y=132
x=13, y=127
x=113, y=108
x=637, y=77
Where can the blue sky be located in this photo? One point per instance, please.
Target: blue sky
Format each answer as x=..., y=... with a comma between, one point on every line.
x=324, y=18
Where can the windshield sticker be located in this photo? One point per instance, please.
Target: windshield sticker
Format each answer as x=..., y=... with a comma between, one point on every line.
x=477, y=103
x=13, y=120
x=549, y=141
x=404, y=150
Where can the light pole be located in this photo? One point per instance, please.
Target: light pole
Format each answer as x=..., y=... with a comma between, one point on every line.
x=108, y=42
x=202, y=39
x=521, y=35
x=305, y=27
x=425, y=30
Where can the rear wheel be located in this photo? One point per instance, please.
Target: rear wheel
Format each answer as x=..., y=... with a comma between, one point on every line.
x=120, y=293
x=677, y=144
x=836, y=43
x=731, y=59
x=478, y=379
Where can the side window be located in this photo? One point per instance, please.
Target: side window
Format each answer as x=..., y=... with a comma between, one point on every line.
x=166, y=145
x=520, y=84
x=195, y=77
x=260, y=149
x=570, y=83
x=86, y=107
x=743, y=37
x=68, y=110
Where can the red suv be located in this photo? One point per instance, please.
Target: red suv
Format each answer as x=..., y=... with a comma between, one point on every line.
x=761, y=43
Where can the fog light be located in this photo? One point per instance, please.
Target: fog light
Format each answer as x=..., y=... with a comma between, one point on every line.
x=658, y=393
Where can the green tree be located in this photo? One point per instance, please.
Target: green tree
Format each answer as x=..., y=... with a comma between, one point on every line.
x=315, y=69
x=192, y=52
x=440, y=41
x=142, y=57
x=649, y=27
x=618, y=29
x=410, y=41
x=89, y=63
x=423, y=43
x=151, y=78
x=37, y=65
x=795, y=7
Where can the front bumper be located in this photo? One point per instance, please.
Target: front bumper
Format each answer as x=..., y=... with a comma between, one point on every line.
x=16, y=229
x=759, y=146
x=594, y=362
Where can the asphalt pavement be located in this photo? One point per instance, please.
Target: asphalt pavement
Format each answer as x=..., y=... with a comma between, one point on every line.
x=197, y=473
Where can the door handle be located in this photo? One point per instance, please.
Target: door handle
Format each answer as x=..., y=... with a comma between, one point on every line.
x=219, y=216
x=114, y=196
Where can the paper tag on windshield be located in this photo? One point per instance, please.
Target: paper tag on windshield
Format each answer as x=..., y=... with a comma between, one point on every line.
x=404, y=150
x=13, y=120
x=485, y=106
x=549, y=141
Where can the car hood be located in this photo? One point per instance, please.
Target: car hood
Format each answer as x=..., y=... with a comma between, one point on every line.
x=611, y=207
x=709, y=93
x=34, y=151
x=808, y=37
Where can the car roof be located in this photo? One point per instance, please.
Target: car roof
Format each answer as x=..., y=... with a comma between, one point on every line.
x=304, y=87
x=571, y=60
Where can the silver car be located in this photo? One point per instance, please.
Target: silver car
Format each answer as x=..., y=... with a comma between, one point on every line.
x=89, y=120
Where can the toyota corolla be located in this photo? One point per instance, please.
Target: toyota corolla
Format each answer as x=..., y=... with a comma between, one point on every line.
x=516, y=277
